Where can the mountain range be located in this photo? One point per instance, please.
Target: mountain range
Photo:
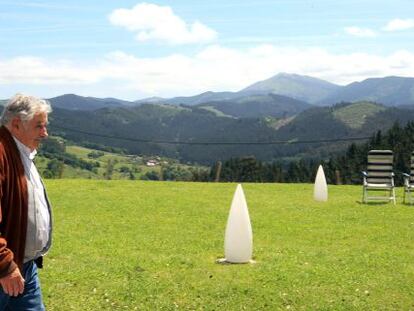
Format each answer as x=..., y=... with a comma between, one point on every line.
x=286, y=107
x=281, y=95
x=389, y=91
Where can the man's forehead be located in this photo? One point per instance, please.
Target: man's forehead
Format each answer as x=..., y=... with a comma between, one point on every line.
x=42, y=121
x=39, y=117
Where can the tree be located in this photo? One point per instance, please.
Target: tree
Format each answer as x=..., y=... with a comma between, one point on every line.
x=109, y=169
x=54, y=169
x=150, y=175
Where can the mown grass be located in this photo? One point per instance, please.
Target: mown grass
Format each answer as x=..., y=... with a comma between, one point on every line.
x=133, y=245
x=356, y=114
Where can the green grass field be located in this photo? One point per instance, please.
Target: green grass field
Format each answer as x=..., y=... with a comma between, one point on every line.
x=134, y=245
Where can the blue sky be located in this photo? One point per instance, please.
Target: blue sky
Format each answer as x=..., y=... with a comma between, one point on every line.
x=132, y=50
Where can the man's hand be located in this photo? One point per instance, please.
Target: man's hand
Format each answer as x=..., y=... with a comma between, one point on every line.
x=13, y=283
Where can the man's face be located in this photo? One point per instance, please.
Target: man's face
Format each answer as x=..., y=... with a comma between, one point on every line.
x=32, y=132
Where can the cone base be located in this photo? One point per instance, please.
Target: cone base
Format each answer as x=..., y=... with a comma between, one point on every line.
x=224, y=261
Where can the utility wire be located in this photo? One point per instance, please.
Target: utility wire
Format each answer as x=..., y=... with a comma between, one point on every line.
x=272, y=142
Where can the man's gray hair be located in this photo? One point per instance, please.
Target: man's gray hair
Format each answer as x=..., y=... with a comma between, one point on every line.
x=25, y=107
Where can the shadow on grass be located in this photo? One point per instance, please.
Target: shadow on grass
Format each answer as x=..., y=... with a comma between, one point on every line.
x=373, y=203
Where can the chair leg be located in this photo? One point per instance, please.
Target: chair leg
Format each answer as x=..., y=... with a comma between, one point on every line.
x=393, y=195
x=364, y=195
x=405, y=191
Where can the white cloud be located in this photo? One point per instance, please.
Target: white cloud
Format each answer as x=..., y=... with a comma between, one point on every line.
x=215, y=68
x=399, y=24
x=360, y=32
x=159, y=23
x=35, y=70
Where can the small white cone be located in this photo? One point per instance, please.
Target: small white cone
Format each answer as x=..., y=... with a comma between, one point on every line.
x=320, y=191
x=238, y=240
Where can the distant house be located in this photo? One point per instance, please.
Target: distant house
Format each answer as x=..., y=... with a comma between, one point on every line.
x=151, y=163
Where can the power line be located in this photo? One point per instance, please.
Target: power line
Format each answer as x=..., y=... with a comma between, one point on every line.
x=272, y=142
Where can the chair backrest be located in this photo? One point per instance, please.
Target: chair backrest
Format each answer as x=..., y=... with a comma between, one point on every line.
x=380, y=166
x=412, y=168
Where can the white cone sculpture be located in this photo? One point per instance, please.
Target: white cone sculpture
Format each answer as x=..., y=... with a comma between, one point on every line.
x=238, y=240
x=320, y=191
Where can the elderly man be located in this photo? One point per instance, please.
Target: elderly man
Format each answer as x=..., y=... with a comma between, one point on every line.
x=25, y=219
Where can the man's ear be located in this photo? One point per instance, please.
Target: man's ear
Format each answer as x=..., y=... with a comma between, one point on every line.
x=16, y=123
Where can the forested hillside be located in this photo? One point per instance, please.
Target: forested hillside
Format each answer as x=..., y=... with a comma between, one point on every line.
x=258, y=106
x=139, y=129
x=197, y=135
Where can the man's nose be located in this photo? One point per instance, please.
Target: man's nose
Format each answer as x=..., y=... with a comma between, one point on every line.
x=44, y=133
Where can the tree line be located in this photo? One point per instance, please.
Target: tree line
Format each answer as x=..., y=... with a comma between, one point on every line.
x=342, y=168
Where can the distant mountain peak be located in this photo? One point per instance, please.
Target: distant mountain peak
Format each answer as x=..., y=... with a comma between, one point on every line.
x=153, y=99
x=300, y=87
x=291, y=75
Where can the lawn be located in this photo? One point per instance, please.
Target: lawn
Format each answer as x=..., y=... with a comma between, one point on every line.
x=134, y=245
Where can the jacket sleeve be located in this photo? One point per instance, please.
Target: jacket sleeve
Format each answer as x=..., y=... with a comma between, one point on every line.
x=7, y=264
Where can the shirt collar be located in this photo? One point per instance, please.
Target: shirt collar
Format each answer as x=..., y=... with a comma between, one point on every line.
x=25, y=150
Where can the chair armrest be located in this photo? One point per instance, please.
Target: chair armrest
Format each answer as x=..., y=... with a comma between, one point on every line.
x=406, y=179
x=364, y=175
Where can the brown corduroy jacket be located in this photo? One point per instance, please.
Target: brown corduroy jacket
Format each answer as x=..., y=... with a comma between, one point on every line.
x=14, y=205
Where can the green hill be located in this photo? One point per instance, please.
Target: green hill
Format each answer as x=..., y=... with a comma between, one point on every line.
x=355, y=116
x=257, y=106
x=337, y=123
x=138, y=130
x=343, y=120
x=72, y=161
x=153, y=129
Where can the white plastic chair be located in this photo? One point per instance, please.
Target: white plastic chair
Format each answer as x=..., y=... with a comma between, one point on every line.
x=409, y=182
x=378, y=183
